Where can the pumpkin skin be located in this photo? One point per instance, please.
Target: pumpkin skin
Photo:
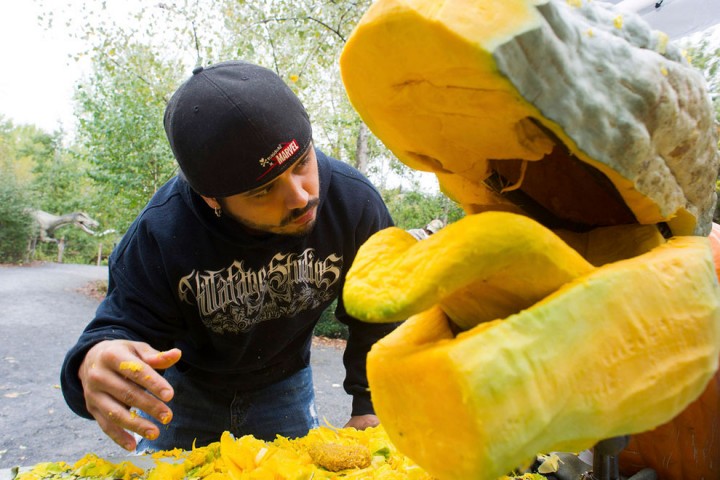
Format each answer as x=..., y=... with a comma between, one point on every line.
x=568, y=113
x=563, y=111
x=689, y=445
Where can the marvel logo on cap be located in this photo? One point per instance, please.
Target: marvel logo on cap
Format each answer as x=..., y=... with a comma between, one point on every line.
x=278, y=157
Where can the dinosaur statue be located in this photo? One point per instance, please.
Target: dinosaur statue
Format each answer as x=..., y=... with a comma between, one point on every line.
x=48, y=223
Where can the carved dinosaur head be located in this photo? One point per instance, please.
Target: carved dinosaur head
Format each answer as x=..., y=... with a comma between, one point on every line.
x=85, y=223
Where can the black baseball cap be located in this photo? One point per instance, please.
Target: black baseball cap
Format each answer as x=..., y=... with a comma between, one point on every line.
x=235, y=126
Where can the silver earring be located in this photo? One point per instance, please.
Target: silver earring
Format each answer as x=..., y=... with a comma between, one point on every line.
x=218, y=211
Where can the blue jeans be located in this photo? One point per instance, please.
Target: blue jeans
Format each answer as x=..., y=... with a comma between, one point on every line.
x=285, y=408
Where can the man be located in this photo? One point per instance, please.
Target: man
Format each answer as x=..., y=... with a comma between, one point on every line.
x=216, y=287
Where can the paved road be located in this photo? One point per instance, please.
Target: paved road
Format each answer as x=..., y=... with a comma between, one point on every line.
x=42, y=312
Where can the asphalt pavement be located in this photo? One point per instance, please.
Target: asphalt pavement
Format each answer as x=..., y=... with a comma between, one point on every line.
x=43, y=309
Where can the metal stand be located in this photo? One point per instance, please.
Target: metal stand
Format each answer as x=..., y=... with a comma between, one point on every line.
x=605, y=458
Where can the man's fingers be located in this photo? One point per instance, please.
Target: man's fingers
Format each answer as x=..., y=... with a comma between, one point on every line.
x=117, y=434
x=161, y=360
x=137, y=393
x=120, y=375
x=144, y=375
x=127, y=388
x=115, y=420
x=361, y=422
x=150, y=379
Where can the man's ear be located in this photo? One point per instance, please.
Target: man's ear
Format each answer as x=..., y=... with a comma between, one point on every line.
x=211, y=201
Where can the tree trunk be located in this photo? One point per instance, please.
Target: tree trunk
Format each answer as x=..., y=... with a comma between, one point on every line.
x=361, y=151
x=61, y=249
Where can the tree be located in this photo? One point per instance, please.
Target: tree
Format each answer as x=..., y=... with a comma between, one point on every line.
x=705, y=56
x=120, y=132
x=15, y=222
x=415, y=209
x=136, y=65
x=300, y=40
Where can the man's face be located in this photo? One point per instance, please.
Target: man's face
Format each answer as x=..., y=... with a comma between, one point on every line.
x=285, y=206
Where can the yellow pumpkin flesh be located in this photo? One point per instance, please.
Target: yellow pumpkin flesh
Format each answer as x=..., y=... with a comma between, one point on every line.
x=579, y=118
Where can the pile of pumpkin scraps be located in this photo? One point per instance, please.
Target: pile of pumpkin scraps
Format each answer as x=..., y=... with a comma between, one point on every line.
x=325, y=453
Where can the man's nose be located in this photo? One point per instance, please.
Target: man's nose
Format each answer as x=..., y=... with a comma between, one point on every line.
x=295, y=194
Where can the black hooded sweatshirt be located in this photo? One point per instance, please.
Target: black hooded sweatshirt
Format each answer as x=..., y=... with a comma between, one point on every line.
x=241, y=308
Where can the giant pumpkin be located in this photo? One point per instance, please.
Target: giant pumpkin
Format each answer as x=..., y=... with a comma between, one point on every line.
x=578, y=299
x=688, y=446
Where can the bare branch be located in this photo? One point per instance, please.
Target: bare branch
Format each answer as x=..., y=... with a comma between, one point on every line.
x=333, y=30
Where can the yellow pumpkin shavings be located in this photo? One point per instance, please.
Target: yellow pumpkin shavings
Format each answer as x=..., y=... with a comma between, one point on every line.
x=132, y=366
x=618, y=22
x=326, y=453
x=550, y=463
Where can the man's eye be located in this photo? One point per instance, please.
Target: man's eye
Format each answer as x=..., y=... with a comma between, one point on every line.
x=261, y=193
x=304, y=161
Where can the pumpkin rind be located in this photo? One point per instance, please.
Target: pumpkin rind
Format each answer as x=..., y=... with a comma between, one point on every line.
x=579, y=117
x=458, y=87
x=688, y=446
x=567, y=372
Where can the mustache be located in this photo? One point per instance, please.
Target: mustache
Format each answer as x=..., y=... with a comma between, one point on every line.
x=299, y=212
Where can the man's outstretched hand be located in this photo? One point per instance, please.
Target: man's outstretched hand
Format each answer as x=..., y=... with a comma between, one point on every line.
x=119, y=375
x=361, y=422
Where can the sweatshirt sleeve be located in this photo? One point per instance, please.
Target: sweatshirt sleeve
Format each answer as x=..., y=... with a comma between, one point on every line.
x=361, y=338
x=137, y=307
x=363, y=335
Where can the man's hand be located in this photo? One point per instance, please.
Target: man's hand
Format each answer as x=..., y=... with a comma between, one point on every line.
x=361, y=422
x=118, y=375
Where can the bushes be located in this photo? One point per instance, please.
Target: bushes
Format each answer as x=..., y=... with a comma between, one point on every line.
x=328, y=326
x=15, y=223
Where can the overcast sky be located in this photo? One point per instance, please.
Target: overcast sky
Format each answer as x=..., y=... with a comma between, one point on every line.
x=37, y=77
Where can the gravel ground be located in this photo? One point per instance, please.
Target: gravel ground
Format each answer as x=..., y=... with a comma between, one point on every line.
x=44, y=307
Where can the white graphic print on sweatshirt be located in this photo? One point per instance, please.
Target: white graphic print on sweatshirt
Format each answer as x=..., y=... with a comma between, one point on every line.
x=233, y=299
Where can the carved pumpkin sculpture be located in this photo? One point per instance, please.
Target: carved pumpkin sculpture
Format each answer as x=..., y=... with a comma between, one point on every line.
x=688, y=446
x=578, y=299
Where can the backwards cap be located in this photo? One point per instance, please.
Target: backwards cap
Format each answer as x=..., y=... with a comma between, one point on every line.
x=235, y=126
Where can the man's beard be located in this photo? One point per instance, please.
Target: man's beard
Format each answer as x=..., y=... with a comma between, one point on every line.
x=260, y=229
x=299, y=212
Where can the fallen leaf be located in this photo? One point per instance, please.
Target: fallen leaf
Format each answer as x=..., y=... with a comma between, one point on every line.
x=15, y=394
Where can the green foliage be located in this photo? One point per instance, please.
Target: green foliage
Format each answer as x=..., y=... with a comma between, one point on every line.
x=121, y=133
x=120, y=155
x=48, y=178
x=15, y=223
x=329, y=326
x=58, y=182
x=705, y=56
x=414, y=209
